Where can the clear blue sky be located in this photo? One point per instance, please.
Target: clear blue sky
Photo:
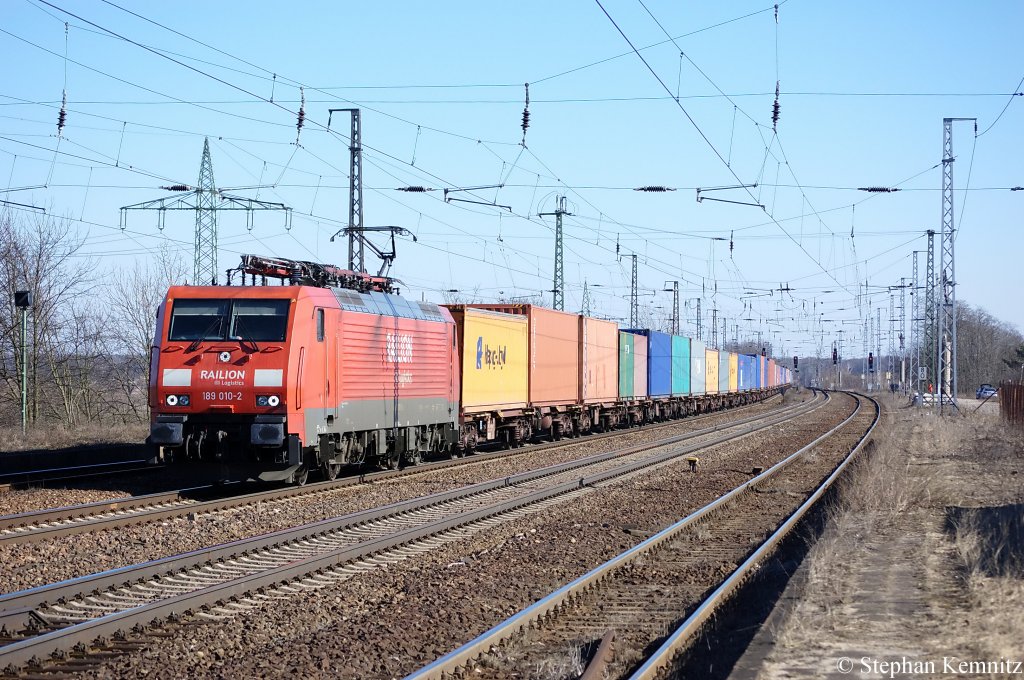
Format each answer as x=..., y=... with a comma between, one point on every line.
x=864, y=89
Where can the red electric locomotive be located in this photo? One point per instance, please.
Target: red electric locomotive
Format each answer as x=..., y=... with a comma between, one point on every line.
x=327, y=369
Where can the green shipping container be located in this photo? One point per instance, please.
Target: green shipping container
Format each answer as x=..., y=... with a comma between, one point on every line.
x=626, y=365
x=680, y=366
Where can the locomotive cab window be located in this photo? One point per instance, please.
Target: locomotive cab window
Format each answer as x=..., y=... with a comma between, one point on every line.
x=320, y=325
x=253, y=320
x=264, y=320
x=198, y=319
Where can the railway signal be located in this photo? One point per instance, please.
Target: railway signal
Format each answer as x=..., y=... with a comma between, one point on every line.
x=23, y=301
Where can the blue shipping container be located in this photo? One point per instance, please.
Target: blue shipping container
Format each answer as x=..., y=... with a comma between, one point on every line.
x=751, y=372
x=723, y=372
x=680, y=366
x=697, y=367
x=659, y=361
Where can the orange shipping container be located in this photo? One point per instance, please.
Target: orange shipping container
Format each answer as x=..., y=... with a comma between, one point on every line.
x=554, y=353
x=711, y=371
x=599, y=353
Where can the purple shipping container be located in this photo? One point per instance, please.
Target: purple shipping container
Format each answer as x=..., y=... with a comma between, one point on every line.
x=639, y=367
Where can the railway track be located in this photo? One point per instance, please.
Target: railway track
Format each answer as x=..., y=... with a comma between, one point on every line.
x=56, y=523
x=44, y=477
x=655, y=595
x=71, y=615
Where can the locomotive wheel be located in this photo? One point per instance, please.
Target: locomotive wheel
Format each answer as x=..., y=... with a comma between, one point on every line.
x=330, y=470
x=301, y=476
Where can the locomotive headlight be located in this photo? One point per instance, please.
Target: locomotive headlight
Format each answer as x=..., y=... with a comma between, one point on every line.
x=262, y=400
x=273, y=400
x=183, y=400
x=172, y=400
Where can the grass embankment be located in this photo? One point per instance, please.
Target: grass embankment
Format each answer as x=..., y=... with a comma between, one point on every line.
x=923, y=553
x=57, y=437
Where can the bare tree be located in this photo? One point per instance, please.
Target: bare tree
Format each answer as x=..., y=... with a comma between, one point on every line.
x=135, y=295
x=983, y=342
x=38, y=253
x=76, y=356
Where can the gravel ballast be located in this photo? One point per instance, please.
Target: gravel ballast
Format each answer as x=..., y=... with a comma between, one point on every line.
x=28, y=565
x=390, y=621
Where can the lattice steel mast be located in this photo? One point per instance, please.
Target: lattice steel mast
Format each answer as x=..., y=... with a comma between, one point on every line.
x=206, y=221
x=915, y=327
x=558, y=287
x=947, y=269
x=356, y=239
x=675, y=305
x=890, y=362
x=903, y=334
x=931, y=337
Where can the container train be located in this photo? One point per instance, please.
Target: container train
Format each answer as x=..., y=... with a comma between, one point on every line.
x=333, y=368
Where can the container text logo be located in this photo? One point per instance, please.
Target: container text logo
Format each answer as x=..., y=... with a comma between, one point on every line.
x=491, y=358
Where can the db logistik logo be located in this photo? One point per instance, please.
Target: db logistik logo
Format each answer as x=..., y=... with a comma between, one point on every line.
x=491, y=358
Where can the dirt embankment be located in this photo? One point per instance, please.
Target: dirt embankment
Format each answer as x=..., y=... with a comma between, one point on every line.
x=922, y=562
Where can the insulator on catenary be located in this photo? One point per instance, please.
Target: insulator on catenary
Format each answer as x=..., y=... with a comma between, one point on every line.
x=654, y=188
x=415, y=190
x=62, y=116
x=775, y=107
x=176, y=187
x=302, y=114
x=526, y=112
x=878, y=190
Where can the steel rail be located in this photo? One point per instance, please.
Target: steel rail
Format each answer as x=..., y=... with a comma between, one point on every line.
x=39, y=647
x=661, y=660
x=73, y=472
x=25, y=520
x=54, y=523
x=552, y=603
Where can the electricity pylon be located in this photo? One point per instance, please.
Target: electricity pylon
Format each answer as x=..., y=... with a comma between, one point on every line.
x=206, y=200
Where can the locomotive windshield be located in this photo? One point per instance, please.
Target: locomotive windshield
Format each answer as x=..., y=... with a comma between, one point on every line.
x=251, y=320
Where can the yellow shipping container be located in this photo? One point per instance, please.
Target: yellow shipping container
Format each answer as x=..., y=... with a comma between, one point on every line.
x=734, y=372
x=711, y=371
x=495, y=349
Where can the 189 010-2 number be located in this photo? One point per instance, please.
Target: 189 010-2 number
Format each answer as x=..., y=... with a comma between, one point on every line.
x=222, y=396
